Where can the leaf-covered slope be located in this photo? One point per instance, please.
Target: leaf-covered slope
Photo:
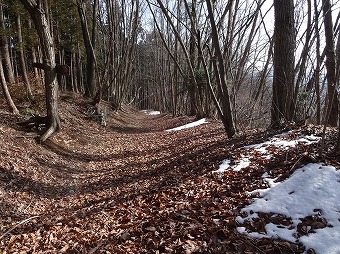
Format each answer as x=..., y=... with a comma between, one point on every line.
x=130, y=187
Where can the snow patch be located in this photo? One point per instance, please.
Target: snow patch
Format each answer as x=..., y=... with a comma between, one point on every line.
x=283, y=144
x=311, y=190
x=223, y=167
x=242, y=163
x=151, y=112
x=189, y=125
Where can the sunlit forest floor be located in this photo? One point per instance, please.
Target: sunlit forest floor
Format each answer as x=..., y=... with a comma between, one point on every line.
x=130, y=186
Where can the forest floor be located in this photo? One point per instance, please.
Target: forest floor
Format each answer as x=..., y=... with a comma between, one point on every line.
x=132, y=187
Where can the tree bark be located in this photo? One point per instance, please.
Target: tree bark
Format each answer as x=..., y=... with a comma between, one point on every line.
x=6, y=59
x=13, y=109
x=39, y=17
x=22, y=61
x=332, y=114
x=282, y=109
x=89, y=47
x=220, y=75
x=318, y=63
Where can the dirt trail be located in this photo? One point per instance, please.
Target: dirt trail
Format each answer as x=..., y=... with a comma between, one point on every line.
x=129, y=187
x=90, y=167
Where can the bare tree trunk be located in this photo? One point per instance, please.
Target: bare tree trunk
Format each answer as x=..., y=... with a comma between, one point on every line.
x=318, y=63
x=6, y=59
x=89, y=47
x=191, y=75
x=305, y=51
x=332, y=94
x=80, y=75
x=22, y=61
x=38, y=15
x=284, y=47
x=210, y=87
x=73, y=71
x=221, y=76
x=337, y=149
x=246, y=51
x=196, y=98
x=6, y=93
x=174, y=86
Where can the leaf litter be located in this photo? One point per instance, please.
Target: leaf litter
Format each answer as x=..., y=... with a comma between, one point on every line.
x=132, y=187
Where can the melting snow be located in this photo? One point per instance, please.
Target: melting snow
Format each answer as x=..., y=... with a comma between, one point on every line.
x=151, y=112
x=242, y=163
x=312, y=190
x=189, y=125
x=284, y=144
x=223, y=167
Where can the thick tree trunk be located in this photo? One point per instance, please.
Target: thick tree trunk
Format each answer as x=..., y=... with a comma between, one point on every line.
x=41, y=23
x=284, y=47
x=6, y=59
x=332, y=94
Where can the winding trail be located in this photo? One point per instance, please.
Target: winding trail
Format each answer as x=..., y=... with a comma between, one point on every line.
x=130, y=187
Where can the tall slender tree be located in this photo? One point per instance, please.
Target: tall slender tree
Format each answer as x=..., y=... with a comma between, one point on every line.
x=6, y=59
x=5, y=91
x=220, y=74
x=318, y=63
x=22, y=60
x=89, y=42
x=337, y=78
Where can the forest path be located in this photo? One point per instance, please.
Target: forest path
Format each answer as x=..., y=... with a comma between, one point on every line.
x=85, y=157
x=129, y=187
x=90, y=168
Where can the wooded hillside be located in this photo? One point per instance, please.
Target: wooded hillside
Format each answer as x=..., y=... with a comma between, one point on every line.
x=133, y=187
x=250, y=65
x=93, y=89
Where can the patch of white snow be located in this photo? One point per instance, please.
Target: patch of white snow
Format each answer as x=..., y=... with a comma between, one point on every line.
x=223, y=167
x=151, y=112
x=189, y=125
x=243, y=163
x=283, y=144
x=311, y=188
